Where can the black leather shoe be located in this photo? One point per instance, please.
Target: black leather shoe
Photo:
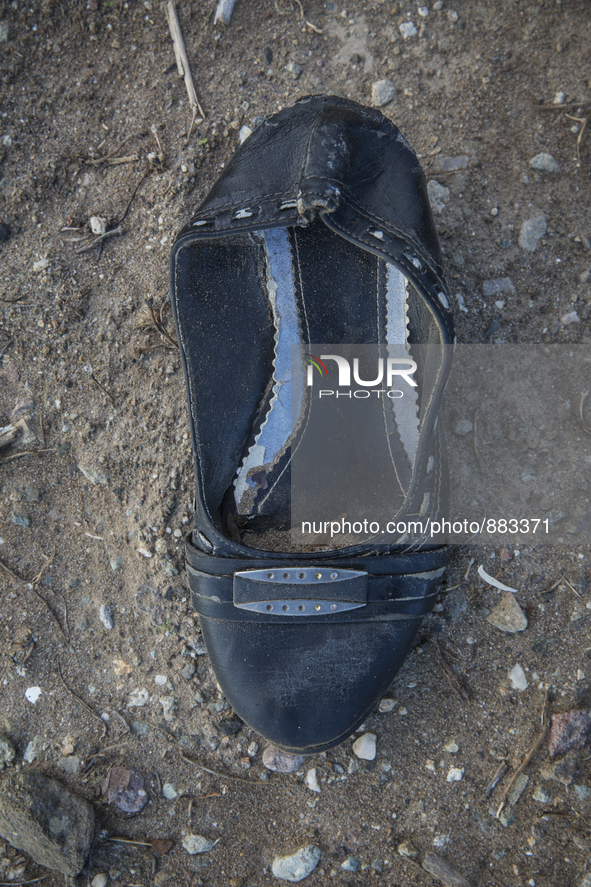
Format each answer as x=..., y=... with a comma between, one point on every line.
x=318, y=230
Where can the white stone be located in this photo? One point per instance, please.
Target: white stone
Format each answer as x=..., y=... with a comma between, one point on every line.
x=451, y=747
x=99, y=880
x=388, y=704
x=365, y=747
x=382, y=92
x=40, y=265
x=544, y=163
x=33, y=694
x=571, y=317
x=298, y=865
x=517, y=678
x=169, y=791
x=532, y=230
x=160, y=679
x=311, y=780
x=245, y=132
x=438, y=195
x=138, y=698
x=455, y=774
x=407, y=29
x=559, y=98
x=106, y=616
x=98, y=225
x=194, y=844
x=423, y=11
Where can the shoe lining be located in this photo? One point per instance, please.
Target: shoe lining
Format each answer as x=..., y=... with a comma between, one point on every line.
x=379, y=317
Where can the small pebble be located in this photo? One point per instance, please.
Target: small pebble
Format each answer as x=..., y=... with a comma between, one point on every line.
x=568, y=731
x=387, y=705
x=194, y=844
x=169, y=791
x=571, y=317
x=297, y=865
x=423, y=11
x=559, y=98
x=544, y=163
x=451, y=164
x=99, y=880
x=532, y=230
x=461, y=427
x=455, y=774
x=365, y=747
x=542, y=795
x=438, y=195
x=40, y=265
x=408, y=850
x=252, y=750
x=33, y=694
x=98, y=225
x=508, y=615
x=7, y=750
x=311, y=780
x=502, y=286
x=382, y=92
x=451, y=747
x=407, y=29
x=281, y=761
x=244, y=133
x=452, y=16
x=138, y=698
x=106, y=616
x=517, y=678
x=517, y=789
x=71, y=764
x=351, y=864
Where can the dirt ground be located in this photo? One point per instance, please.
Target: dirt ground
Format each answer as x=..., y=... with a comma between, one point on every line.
x=95, y=495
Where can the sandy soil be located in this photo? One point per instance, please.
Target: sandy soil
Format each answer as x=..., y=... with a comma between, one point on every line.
x=95, y=495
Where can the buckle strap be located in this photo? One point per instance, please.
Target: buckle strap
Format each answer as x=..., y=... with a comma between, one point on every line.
x=300, y=591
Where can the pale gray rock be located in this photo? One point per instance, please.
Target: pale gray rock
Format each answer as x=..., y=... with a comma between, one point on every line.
x=194, y=844
x=508, y=615
x=502, y=286
x=544, y=163
x=461, y=427
x=281, y=761
x=365, y=747
x=42, y=818
x=438, y=195
x=106, y=616
x=450, y=164
x=297, y=865
x=532, y=231
x=517, y=678
x=382, y=92
x=7, y=750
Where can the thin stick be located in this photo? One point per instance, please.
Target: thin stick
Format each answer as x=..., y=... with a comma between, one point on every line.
x=496, y=779
x=180, y=54
x=27, y=453
x=528, y=756
x=102, y=387
x=100, y=239
x=217, y=773
x=14, y=575
x=81, y=701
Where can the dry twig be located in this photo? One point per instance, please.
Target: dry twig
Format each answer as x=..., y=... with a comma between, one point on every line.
x=528, y=756
x=81, y=701
x=182, y=60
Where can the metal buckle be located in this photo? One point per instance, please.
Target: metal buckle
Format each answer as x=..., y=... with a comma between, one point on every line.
x=300, y=591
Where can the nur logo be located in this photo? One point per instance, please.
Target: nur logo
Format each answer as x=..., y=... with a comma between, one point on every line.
x=399, y=368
